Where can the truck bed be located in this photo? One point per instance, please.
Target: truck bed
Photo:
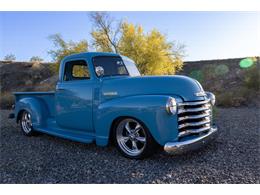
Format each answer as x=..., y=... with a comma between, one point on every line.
x=48, y=124
x=46, y=98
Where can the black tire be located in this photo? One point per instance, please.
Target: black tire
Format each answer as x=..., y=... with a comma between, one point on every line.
x=145, y=148
x=26, y=123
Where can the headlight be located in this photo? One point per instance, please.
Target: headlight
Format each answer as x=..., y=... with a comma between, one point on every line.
x=212, y=98
x=171, y=106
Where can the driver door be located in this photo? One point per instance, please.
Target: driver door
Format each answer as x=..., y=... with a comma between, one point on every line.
x=74, y=97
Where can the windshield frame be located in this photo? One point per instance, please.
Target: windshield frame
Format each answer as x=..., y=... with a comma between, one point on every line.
x=108, y=56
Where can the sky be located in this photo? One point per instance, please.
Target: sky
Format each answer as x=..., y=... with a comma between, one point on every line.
x=206, y=35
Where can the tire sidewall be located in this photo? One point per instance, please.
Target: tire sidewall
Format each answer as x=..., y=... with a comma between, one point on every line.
x=21, y=126
x=150, y=146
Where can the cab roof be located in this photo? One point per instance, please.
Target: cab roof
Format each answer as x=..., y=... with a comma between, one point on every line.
x=88, y=55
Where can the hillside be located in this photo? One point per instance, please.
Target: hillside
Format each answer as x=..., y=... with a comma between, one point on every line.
x=233, y=85
x=23, y=76
x=235, y=82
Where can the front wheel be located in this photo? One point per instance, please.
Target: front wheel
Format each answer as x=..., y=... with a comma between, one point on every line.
x=133, y=139
x=26, y=123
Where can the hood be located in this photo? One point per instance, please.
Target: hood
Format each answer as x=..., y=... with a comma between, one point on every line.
x=182, y=86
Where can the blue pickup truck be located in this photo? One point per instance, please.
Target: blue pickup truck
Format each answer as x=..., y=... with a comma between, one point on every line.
x=102, y=98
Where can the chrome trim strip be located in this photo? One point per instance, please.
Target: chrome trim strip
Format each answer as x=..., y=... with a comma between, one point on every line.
x=195, y=123
x=194, y=116
x=110, y=93
x=193, y=103
x=192, y=131
x=201, y=93
x=192, y=144
x=193, y=109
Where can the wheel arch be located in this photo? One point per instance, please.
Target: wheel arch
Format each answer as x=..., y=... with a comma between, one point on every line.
x=149, y=109
x=112, y=127
x=19, y=115
x=118, y=119
x=35, y=107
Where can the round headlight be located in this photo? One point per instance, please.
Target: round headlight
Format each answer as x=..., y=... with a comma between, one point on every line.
x=171, y=105
x=212, y=98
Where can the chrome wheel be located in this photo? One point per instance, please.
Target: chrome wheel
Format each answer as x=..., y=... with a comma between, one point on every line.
x=131, y=137
x=26, y=122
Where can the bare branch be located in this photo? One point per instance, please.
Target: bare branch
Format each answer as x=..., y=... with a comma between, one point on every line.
x=104, y=23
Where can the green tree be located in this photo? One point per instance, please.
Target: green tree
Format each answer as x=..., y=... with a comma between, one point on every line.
x=152, y=52
x=10, y=57
x=36, y=59
x=63, y=48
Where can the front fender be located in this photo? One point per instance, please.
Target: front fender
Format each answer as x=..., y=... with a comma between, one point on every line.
x=150, y=109
x=36, y=107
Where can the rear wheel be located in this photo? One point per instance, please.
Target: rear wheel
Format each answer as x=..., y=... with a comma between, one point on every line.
x=26, y=123
x=133, y=139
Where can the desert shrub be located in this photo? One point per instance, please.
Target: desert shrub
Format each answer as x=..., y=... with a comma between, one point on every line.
x=36, y=59
x=252, y=78
x=6, y=100
x=10, y=58
x=221, y=70
x=228, y=99
x=198, y=75
x=209, y=71
x=240, y=96
x=208, y=77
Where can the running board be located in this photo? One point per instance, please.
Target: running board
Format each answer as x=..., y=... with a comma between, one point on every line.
x=68, y=134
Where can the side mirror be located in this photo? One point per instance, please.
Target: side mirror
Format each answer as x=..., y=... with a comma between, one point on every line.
x=100, y=71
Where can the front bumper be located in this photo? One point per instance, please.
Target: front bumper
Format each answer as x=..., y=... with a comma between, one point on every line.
x=192, y=144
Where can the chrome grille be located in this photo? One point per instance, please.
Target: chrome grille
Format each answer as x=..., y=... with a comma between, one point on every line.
x=194, y=117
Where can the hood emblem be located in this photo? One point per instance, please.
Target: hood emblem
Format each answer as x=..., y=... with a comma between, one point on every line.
x=110, y=93
x=201, y=93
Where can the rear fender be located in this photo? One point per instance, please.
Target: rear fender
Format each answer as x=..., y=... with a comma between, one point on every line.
x=36, y=107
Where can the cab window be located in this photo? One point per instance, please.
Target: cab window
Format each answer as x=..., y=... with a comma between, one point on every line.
x=76, y=70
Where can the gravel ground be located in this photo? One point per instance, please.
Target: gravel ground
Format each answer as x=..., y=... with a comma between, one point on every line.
x=232, y=158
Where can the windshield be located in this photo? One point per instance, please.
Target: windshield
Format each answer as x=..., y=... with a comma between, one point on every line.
x=131, y=67
x=116, y=66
